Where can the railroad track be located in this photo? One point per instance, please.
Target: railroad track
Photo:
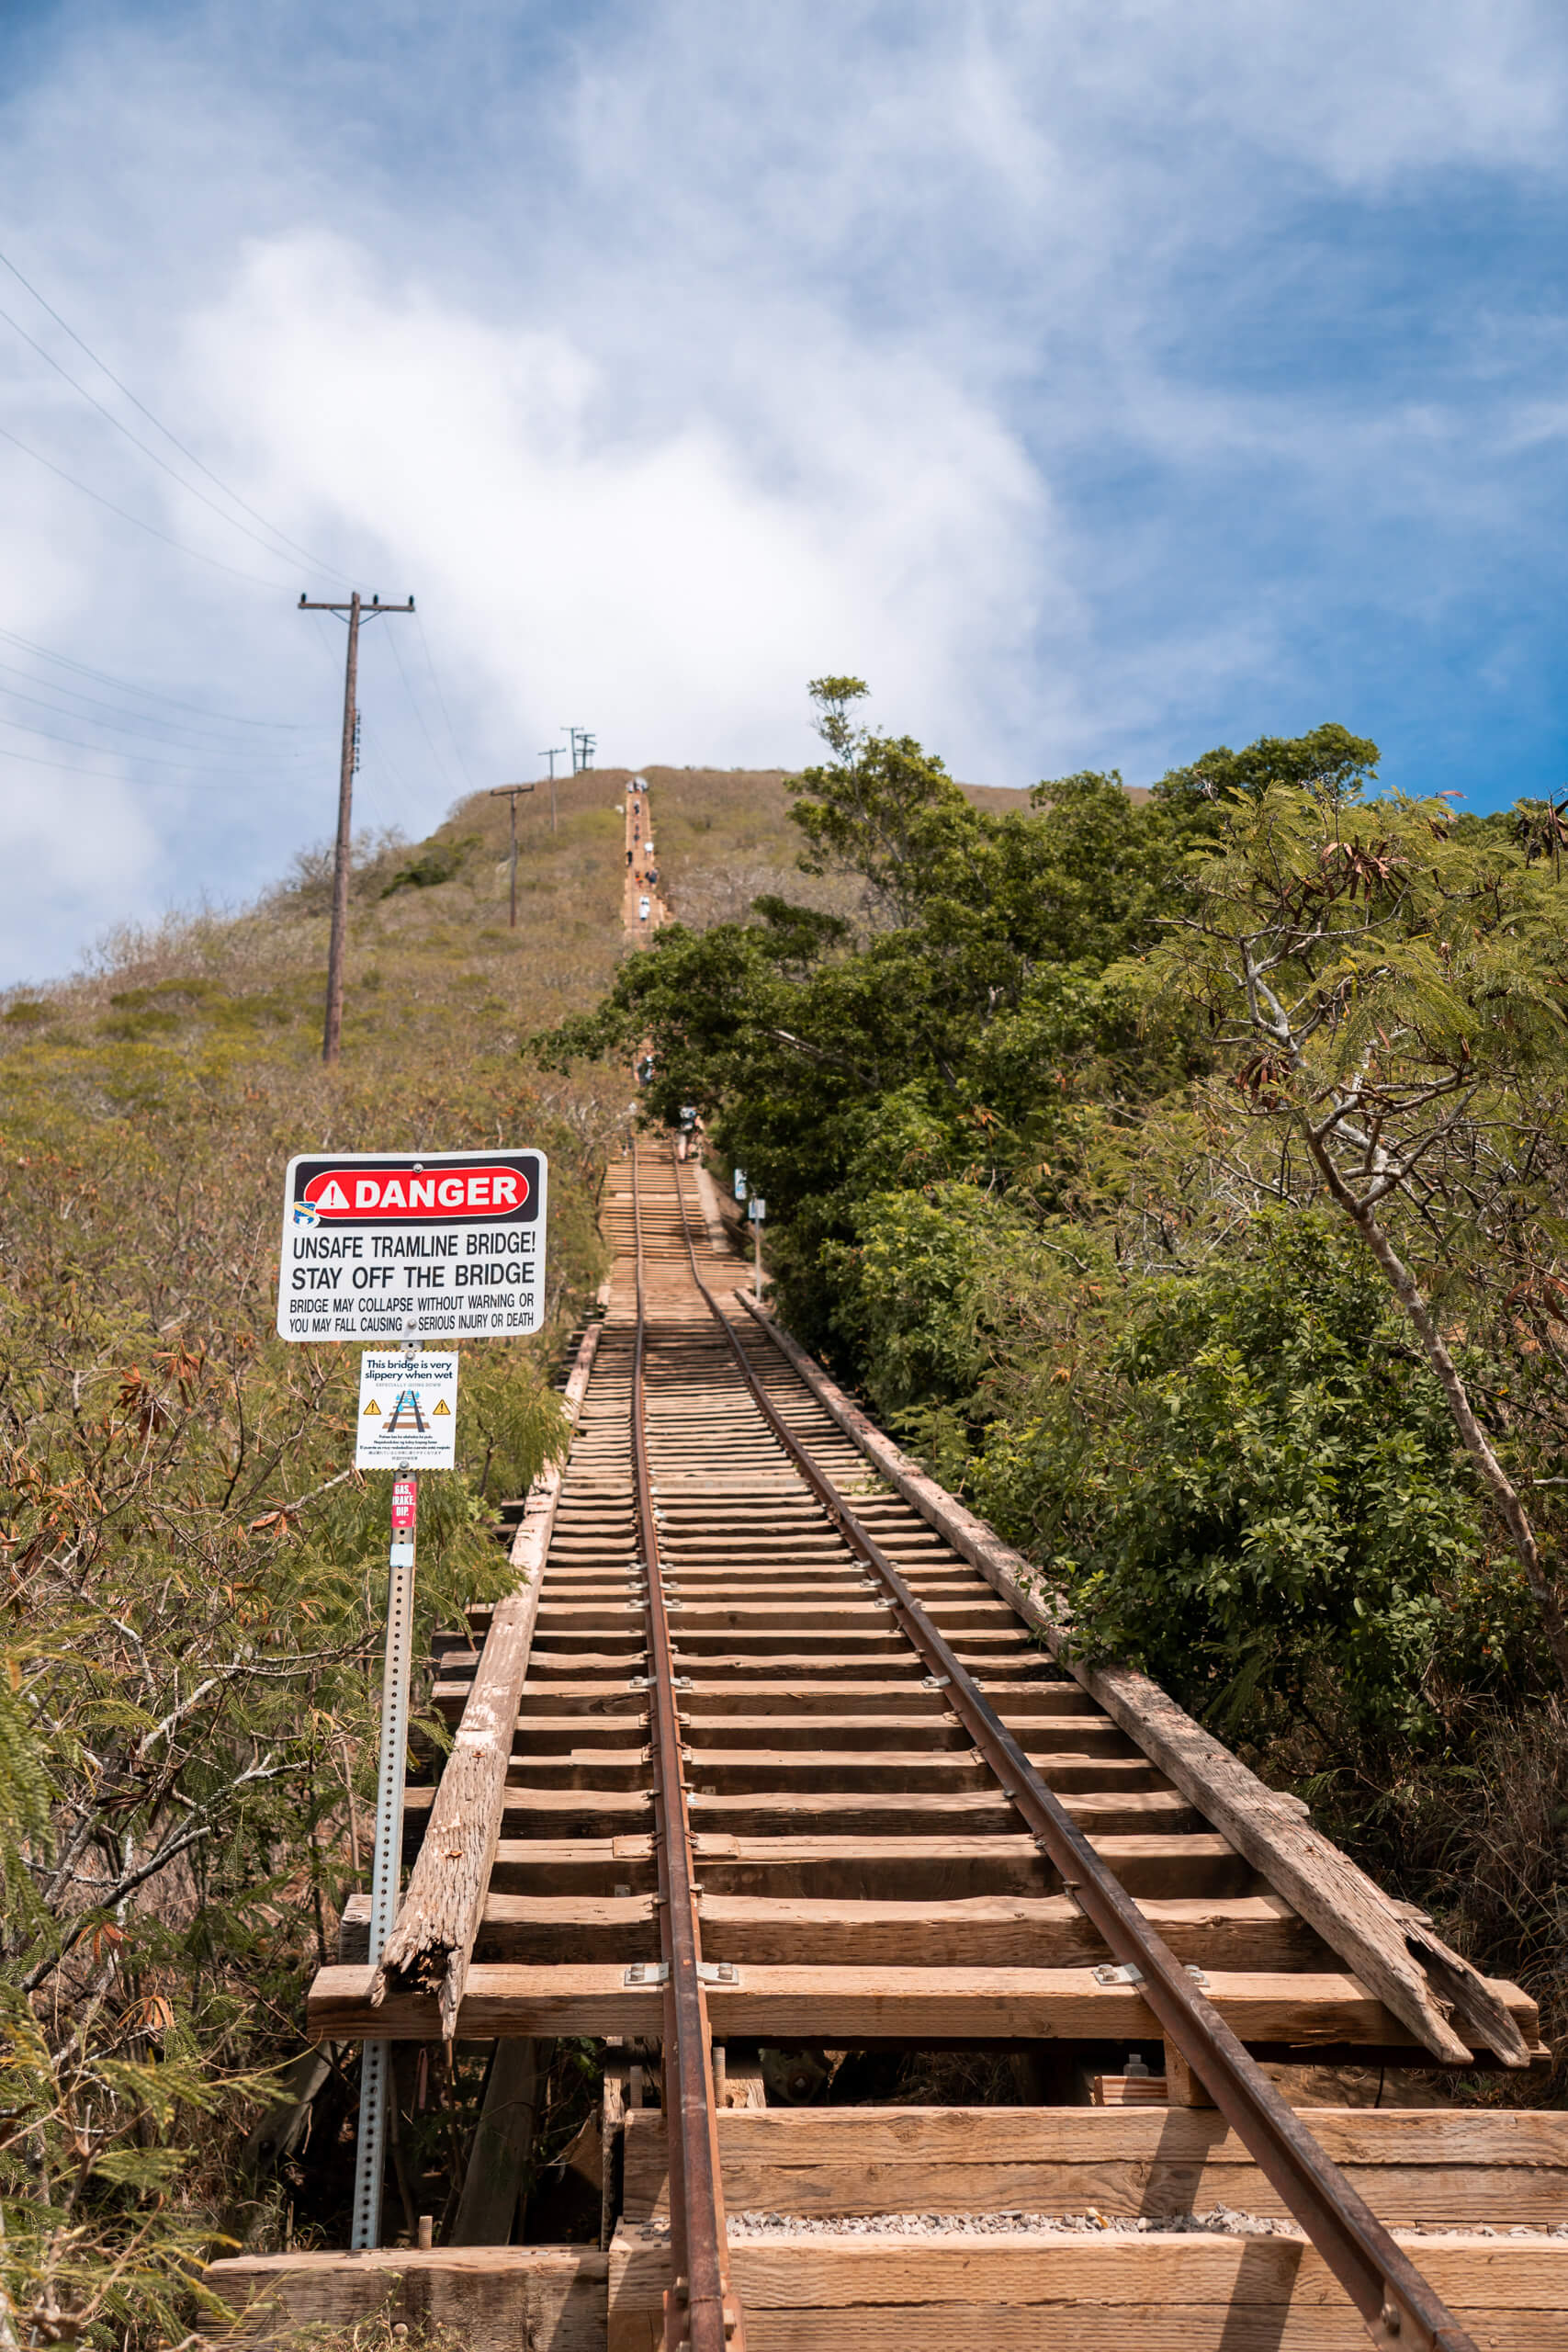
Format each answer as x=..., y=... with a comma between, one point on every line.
x=762, y=1765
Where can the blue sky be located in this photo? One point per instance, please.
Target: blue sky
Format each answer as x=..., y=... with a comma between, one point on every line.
x=1102, y=381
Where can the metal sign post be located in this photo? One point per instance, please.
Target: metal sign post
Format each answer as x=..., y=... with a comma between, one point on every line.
x=756, y=1209
x=376, y=2061
x=392, y=1248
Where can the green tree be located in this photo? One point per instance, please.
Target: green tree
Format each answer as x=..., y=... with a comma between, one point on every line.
x=1389, y=990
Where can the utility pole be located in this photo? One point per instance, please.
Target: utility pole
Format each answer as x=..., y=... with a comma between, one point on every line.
x=558, y=754
x=511, y=791
x=584, y=746
x=358, y=610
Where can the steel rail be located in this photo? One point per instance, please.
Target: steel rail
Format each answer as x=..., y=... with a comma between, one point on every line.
x=1398, y=2306
x=699, y=2306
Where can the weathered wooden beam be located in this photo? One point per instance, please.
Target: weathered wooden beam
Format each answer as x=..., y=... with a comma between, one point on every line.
x=1049, y=2292
x=503, y=2145
x=491, y=2300
x=431, y=1943
x=1398, y=1956
x=998, y=1931
x=850, y=2005
x=897, y=1868
x=1413, y=2165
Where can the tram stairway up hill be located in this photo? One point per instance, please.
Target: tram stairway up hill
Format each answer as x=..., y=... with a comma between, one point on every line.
x=867, y=1887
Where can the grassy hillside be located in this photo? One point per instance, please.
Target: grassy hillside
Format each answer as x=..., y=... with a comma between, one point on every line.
x=190, y=1571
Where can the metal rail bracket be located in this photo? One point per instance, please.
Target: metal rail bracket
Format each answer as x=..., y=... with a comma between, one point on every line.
x=1127, y=1971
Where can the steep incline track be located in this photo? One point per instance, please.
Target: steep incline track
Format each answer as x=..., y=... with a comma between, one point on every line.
x=783, y=1772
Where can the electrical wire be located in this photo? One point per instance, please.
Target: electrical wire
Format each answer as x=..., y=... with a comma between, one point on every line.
x=124, y=719
x=128, y=686
x=108, y=751
x=272, y=587
x=161, y=463
x=96, y=775
x=419, y=714
x=430, y=665
x=174, y=438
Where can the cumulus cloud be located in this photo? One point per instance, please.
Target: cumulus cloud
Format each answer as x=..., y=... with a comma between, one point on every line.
x=644, y=568
x=1098, y=381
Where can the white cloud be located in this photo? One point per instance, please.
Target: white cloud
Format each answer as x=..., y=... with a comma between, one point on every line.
x=672, y=353
x=649, y=573
x=73, y=871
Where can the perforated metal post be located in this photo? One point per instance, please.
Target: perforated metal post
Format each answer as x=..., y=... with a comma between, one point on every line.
x=376, y=2056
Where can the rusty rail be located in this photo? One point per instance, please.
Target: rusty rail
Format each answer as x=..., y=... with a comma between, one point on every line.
x=699, y=2307
x=432, y=1946
x=1399, y=2307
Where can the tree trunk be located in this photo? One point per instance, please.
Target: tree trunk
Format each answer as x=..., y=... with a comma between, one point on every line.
x=1405, y=1288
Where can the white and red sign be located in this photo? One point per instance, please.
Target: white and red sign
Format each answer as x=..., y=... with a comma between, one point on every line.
x=343, y=1195
x=388, y=1246
x=408, y=1420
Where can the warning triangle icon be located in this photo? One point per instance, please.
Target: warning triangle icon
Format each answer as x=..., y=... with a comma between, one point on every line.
x=442, y=1407
x=335, y=1197
x=372, y=1407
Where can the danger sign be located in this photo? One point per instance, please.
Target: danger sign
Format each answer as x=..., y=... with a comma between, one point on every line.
x=384, y=1246
x=412, y=1195
x=408, y=1413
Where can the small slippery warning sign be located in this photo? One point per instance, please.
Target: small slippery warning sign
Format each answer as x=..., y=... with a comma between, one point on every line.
x=379, y=1245
x=408, y=1411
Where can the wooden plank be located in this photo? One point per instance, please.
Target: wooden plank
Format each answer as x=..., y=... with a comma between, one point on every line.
x=1155, y=2270
x=432, y=1938
x=837, y=1811
x=1039, y=1931
x=851, y=2004
x=1397, y=1955
x=1047, y=1930
x=954, y=1866
x=869, y=2161
x=493, y=2298
x=1401, y=2136
x=993, y=2328
x=756, y=1771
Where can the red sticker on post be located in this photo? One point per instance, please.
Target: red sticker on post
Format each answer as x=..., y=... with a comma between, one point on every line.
x=405, y=1501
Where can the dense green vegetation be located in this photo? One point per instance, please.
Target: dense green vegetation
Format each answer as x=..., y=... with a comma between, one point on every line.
x=1185, y=1178
x=191, y=1576
x=1098, y=1220
x=190, y=1573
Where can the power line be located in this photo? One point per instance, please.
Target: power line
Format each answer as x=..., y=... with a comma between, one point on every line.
x=124, y=718
x=163, y=463
x=441, y=698
x=172, y=437
x=143, y=758
x=419, y=714
x=96, y=775
x=255, y=578
x=129, y=686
